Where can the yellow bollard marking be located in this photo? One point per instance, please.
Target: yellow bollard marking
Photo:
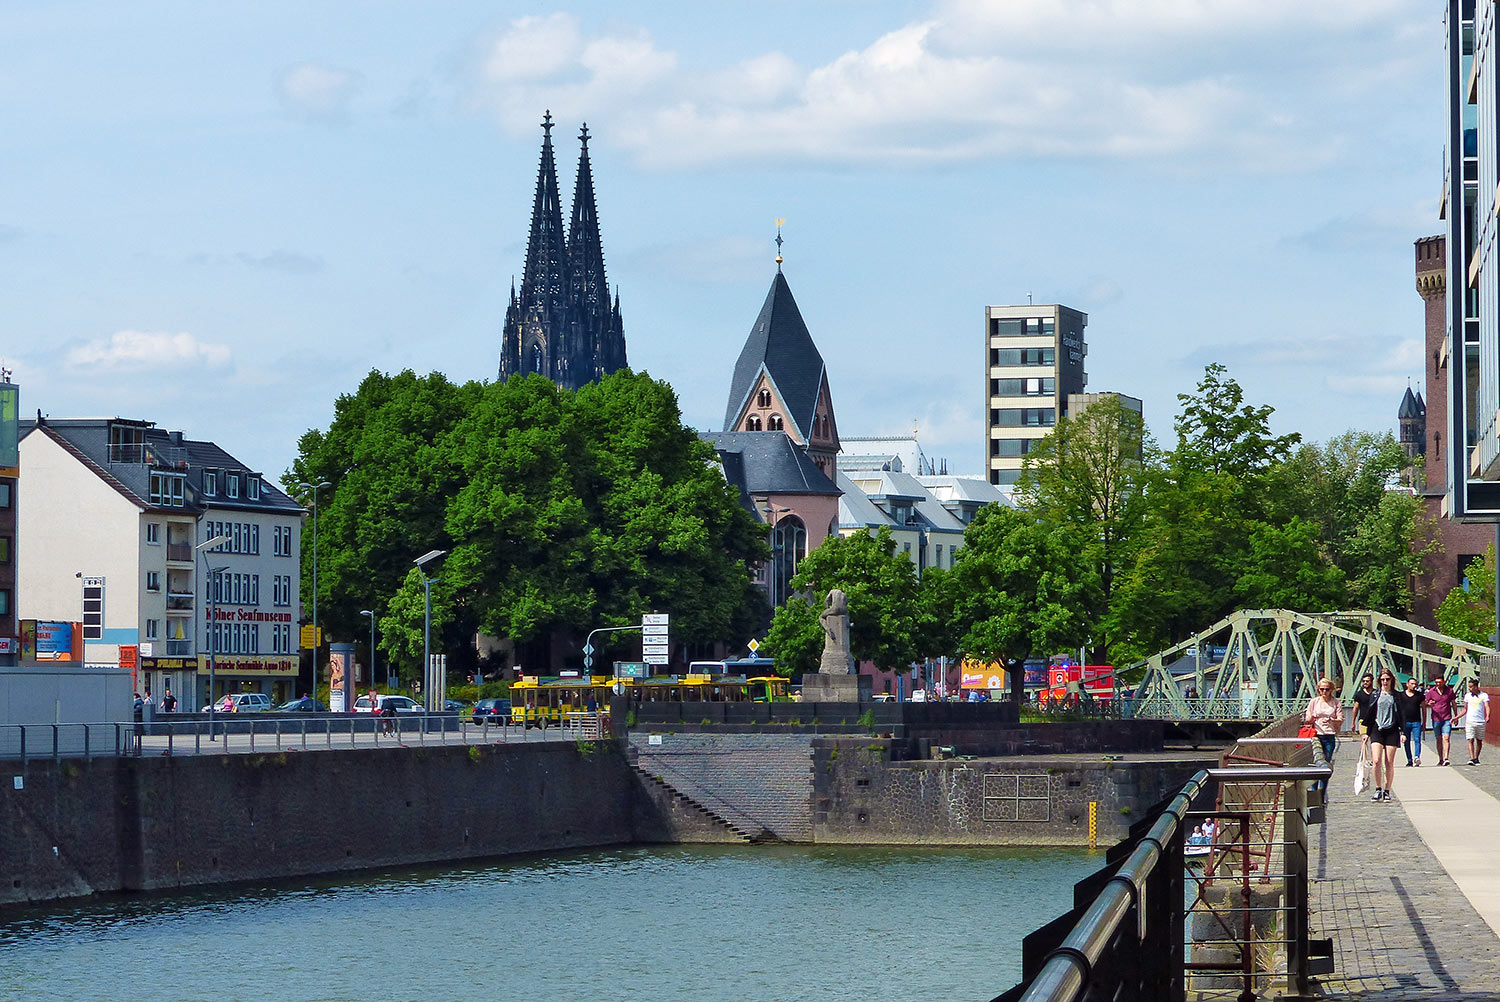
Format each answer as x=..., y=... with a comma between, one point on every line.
x=1093, y=824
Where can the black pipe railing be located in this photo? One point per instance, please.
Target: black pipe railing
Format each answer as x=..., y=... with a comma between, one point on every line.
x=1125, y=939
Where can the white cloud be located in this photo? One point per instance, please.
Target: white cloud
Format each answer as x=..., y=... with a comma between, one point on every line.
x=1348, y=364
x=127, y=351
x=1111, y=78
x=318, y=93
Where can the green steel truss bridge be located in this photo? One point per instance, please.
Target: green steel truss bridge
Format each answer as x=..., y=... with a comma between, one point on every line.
x=1272, y=658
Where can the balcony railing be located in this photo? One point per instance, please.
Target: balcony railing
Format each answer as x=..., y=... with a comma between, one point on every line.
x=180, y=551
x=179, y=602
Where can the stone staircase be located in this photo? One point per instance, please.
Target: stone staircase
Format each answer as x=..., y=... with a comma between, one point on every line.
x=757, y=785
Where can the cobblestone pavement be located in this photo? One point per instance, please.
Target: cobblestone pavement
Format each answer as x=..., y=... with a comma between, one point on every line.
x=1401, y=927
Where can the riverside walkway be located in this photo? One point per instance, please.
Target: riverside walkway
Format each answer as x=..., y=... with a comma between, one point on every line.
x=1410, y=890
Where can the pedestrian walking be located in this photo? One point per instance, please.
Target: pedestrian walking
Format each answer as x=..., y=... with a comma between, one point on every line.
x=1326, y=716
x=1411, y=701
x=1476, y=716
x=1385, y=736
x=1364, y=713
x=1440, y=698
x=169, y=702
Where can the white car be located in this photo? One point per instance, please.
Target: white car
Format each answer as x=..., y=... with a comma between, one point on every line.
x=242, y=702
x=396, y=704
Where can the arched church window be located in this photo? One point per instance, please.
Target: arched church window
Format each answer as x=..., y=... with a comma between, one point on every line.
x=752, y=423
x=537, y=365
x=764, y=400
x=774, y=422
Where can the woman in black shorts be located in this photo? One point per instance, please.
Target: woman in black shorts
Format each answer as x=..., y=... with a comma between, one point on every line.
x=1385, y=736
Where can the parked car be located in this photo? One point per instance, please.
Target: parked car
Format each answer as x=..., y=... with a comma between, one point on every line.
x=302, y=704
x=242, y=702
x=397, y=704
x=492, y=711
x=455, y=706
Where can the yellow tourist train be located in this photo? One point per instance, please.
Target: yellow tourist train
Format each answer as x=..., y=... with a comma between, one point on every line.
x=546, y=700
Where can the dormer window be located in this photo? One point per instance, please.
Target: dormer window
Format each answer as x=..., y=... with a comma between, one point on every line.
x=764, y=399
x=252, y=487
x=232, y=484
x=210, y=483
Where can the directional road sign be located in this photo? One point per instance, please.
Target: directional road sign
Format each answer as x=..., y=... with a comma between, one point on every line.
x=654, y=659
x=653, y=630
x=654, y=649
x=654, y=619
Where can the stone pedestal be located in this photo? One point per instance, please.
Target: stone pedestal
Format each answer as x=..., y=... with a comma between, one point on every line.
x=819, y=687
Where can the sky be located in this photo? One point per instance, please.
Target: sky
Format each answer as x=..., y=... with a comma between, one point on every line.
x=220, y=217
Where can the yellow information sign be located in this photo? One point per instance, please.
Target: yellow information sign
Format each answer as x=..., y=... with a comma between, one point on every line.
x=311, y=639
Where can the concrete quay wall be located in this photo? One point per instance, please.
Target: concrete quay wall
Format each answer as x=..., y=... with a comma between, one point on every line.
x=122, y=824
x=861, y=797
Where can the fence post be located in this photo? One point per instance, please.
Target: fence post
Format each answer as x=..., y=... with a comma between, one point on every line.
x=1295, y=891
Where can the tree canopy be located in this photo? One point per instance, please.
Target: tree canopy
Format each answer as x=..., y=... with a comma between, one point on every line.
x=560, y=511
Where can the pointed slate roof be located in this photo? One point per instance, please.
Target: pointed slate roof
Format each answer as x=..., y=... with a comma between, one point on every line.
x=779, y=345
x=1410, y=409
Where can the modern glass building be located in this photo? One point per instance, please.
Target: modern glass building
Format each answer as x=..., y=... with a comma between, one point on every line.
x=1034, y=357
x=1470, y=354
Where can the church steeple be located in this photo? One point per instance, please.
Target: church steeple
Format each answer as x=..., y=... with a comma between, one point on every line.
x=562, y=325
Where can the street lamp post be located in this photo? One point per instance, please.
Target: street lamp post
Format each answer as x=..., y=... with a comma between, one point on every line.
x=312, y=689
x=421, y=563
x=210, y=579
x=371, y=614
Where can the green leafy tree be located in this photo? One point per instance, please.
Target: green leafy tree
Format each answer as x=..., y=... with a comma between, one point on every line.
x=1384, y=558
x=1218, y=433
x=401, y=628
x=881, y=587
x=795, y=639
x=560, y=511
x=1468, y=611
x=1018, y=586
x=1285, y=568
x=1090, y=474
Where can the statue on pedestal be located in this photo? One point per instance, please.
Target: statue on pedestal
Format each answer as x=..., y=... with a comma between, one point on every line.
x=836, y=659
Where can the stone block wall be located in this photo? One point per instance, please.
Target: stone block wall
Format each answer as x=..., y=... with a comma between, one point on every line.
x=861, y=797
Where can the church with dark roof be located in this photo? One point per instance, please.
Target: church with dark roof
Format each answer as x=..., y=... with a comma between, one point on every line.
x=780, y=441
x=562, y=322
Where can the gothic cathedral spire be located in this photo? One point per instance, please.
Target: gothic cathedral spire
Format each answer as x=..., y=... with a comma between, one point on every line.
x=562, y=325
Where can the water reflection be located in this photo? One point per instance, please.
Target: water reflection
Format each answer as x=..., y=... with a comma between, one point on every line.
x=663, y=923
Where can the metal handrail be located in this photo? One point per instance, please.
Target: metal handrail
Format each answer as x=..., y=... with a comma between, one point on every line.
x=188, y=734
x=1065, y=973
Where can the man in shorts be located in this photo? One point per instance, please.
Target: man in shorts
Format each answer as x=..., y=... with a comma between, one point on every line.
x=1476, y=716
x=1440, y=699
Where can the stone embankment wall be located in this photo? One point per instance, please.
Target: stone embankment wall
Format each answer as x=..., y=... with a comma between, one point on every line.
x=80, y=827
x=861, y=797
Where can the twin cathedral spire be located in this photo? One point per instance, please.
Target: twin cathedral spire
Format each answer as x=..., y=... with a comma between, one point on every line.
x=562, y=323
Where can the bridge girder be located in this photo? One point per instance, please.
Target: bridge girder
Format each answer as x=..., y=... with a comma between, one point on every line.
x=1273, y=658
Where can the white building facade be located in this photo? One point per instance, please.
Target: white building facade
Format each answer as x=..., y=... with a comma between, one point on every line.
x=108, y=535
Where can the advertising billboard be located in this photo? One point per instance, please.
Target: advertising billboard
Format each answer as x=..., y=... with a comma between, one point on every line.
x=981, y=675
x=44, y=640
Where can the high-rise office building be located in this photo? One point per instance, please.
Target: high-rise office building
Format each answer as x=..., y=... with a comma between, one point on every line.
x=1033, y=362
x=1470, y=351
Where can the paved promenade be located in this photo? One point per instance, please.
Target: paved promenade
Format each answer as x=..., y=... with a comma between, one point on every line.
x=1410, y=890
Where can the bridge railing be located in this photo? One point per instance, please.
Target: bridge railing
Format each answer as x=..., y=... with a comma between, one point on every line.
x=250, y=733
x=1215, y=708
x=1148, y=927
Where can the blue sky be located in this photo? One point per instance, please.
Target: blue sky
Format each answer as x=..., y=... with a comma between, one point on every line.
x=221, y=216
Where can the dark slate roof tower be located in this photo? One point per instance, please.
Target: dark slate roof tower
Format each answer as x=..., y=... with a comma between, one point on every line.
x=780, y=382
x=561, y=323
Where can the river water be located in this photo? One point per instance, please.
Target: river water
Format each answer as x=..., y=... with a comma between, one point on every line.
x=664, y=924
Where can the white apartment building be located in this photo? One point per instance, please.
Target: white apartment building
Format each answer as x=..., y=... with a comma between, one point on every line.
x=108, y=534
